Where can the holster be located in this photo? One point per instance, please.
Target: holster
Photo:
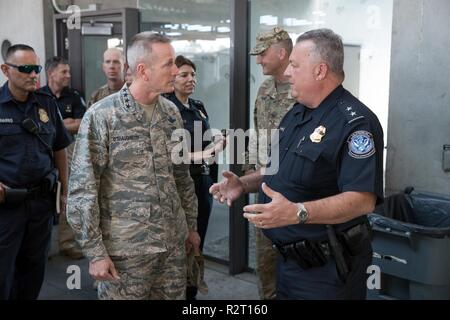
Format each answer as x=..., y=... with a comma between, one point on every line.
x=340, y=245
x=337, y=251
x=356, y=239
x=49, y=182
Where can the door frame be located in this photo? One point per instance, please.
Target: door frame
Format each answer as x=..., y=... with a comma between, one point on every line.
x=239, y=118
x=129, y=17
x=239, y=97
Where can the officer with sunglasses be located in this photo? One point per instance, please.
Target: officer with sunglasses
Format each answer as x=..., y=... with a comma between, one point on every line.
x=32, y=160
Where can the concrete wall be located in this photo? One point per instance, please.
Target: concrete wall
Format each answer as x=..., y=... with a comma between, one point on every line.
x=22, y=21
x=419, y=108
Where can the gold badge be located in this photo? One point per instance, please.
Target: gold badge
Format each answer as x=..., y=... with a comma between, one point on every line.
x=43, y=115
x=318, y=134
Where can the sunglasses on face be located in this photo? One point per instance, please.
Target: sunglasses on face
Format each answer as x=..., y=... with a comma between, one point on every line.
x=26, y=68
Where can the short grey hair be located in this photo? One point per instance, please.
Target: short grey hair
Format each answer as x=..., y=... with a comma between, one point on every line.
x=53, y=62
x=140, y=48
x=329, y=46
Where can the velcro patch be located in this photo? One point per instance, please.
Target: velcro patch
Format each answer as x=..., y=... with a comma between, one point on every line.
x=361, y=145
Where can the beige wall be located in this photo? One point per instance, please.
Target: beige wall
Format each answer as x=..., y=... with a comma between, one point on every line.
x=22, y=21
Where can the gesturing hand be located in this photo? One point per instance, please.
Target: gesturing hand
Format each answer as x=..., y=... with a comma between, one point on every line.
x=279, y=212
x=229, y=189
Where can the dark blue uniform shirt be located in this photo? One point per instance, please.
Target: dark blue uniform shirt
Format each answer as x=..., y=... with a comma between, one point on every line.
x=347, y=157
x=193, y=116
x=70, y=102
x=24, y=160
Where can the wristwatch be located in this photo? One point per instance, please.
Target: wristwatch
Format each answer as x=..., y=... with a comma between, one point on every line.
x=302, y=213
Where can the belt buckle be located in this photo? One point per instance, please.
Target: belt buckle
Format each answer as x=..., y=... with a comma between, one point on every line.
x=205, y=170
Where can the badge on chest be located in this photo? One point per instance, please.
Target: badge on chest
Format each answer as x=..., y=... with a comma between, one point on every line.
x=318, y=134
x=43, y=116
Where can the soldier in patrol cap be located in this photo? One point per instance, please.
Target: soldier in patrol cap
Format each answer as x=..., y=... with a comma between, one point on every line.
x=273, y=101
x=72, y=108
x=133, y=209
x=330, y=176
x=203, y=172
x=266, y=39
x=32, y=157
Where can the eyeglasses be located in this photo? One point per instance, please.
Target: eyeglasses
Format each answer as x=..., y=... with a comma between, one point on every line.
x=26, y=68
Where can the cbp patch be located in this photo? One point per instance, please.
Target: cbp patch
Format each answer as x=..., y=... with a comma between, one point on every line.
x=361, y=145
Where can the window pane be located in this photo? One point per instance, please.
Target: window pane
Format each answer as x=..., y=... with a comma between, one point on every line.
x=200, y=30
x=365, y=27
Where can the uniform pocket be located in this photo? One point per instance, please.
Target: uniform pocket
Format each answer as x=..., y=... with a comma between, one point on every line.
x=131, y=159
x=305, y=162
x=10, y=138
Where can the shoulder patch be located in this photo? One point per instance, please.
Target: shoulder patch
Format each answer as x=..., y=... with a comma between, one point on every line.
x=361, y=145
x=350, y=112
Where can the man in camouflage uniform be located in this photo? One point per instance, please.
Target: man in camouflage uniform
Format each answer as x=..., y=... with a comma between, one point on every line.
x=113, y=67
x=132, y=208
x=273, y=101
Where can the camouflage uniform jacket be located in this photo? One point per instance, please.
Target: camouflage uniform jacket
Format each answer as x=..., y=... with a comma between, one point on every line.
x=100, y=94
x=126, y=197
x=272, y=103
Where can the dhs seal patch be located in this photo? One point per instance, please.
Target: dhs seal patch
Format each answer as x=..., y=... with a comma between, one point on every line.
x=361, y=145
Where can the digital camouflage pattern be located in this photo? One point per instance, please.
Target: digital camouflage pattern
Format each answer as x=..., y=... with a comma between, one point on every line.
x=126, y=197
x=265, y=39
x=196, y=272
x=273, y=101
x=160, y=276
x=67, y=244
x=100, y=94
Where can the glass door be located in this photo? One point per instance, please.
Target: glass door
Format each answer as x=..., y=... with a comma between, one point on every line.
x=84, y=46
x=200, y=30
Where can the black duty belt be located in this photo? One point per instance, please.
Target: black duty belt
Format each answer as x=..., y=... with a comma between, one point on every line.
x=16, y=197
x=310, y=254
x=199, y=169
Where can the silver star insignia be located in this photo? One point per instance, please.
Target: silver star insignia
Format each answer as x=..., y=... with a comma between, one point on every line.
x=353, y=114
x=349, y=108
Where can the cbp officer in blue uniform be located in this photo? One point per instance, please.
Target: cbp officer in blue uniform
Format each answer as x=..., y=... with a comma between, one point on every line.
x=70, y=103
x=195, y=118
x=72, y=108
x=330, y=176
x=32, y=159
